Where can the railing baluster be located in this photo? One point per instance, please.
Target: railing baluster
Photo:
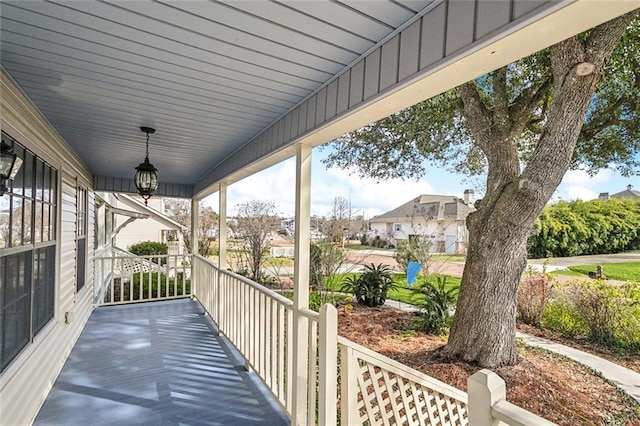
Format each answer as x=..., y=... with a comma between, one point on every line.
x=327, y=365
x=281, y=351
x=312, y=343
x=261, y=337
x=289, y=361
x=274, y=349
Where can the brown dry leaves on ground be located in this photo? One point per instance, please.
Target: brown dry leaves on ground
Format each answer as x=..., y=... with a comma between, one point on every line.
x=555, y=388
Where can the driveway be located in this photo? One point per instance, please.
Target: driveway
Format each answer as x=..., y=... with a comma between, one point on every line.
x=456, y=268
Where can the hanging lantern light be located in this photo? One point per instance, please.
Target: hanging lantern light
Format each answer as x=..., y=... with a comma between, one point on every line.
x=10, y=164
x=146, y=179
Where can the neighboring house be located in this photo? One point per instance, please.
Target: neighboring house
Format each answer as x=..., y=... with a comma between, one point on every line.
x=627, y=193
x=441, y=218
x=281, y=247
x=158, y=227
x=288, y=225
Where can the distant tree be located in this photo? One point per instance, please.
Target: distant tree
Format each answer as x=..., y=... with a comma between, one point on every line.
x=575, y=104
x=338, y=222
x=180, y=211
x=255, y=220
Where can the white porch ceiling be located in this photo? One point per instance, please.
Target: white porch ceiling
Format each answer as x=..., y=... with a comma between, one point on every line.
x=217, y=78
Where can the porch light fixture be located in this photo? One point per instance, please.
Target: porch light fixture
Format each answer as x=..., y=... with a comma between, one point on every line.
x=146, y=179
x=10, y=164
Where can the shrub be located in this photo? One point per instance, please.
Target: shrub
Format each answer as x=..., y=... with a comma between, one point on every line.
x=416, y=249
x=607, y=314
x=161, y=286
x=150, y=248
x=532, y=299
x=404, y=255
x=371, y=287
x=560, y=315
x=434, y=313
x=592, y=227
x=379, y=242
x=604, y=308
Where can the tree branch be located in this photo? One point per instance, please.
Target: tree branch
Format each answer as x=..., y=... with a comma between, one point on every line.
x=477, y=116
x=500, y=98
x=525, y=104
x=604, y=38
x=552, y=156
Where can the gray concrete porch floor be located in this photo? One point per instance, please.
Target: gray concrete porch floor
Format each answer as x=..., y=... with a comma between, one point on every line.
x=158, y=363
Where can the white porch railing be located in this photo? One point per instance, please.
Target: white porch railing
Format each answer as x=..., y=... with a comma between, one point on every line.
x=259, y=322
x=382, y=391
x=126, y=278
x=375, y=390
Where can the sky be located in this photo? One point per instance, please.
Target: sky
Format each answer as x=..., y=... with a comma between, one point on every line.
x=372, y=198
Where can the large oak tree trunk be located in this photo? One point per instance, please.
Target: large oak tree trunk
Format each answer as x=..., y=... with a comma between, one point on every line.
x=484, y=327
x=483, y=330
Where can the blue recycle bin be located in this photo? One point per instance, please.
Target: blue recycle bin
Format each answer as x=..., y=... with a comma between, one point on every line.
x=412, y=272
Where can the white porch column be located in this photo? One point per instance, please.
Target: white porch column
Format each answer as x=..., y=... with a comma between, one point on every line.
x=222, y=227
x=195, y=224
x=301, y=283
x=219, y=293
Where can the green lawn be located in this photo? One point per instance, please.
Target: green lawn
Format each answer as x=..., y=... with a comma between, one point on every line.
x=406, y=294
x=403, y=293
x=278, y=261
x=627, y=271
x=447, y=257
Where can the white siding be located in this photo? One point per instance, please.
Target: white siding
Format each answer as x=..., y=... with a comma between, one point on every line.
x=68, y=243
x=436, y=230
x=138, y=231
x=27, y=380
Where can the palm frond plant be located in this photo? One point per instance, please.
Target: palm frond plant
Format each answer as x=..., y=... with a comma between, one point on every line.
x=370, y=288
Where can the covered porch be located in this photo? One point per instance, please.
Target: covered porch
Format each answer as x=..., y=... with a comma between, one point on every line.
x=231, y=88
x=157, y=363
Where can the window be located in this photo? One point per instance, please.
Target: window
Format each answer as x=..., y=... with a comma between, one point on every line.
x=397, y=227
x=81, y=237
x=27, y=253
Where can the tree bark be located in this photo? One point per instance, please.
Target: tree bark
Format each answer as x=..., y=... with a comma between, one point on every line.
x=483, y=330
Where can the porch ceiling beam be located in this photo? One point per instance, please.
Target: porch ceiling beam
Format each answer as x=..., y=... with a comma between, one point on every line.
x=452, y=43
x=126, y=185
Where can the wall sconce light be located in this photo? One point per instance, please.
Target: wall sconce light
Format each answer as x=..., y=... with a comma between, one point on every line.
x=146, y=179
x=10, y=164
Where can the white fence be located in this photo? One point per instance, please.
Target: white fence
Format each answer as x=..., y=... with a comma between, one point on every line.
x=126, y=278
x=381, y=391
x=295, y=354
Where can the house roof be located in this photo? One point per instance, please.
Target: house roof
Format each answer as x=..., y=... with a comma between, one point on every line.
x=627, y=193
x=429, y=207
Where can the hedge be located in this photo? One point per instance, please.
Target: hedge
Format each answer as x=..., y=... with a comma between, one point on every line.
x=593, y=227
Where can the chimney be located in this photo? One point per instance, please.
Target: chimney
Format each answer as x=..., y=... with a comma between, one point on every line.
x=604, y=196
x=468, y=196
x=629, y=187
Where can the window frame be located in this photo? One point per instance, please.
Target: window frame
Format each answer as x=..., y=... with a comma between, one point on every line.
x=82, y=222
x=37, y=185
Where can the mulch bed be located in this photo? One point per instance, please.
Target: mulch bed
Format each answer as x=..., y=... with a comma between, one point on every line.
x=630, y=360
x=553, y=387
